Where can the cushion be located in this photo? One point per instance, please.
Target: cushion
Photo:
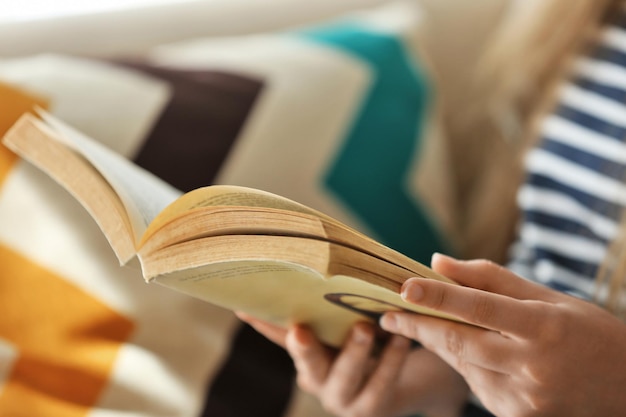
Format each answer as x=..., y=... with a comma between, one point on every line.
x=118, y=27
x=340, y=116
x=346, y=122
x=78, y=333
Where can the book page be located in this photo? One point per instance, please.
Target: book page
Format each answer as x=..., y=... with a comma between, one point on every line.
x=144, y=195
x=232, y=195
x=229, y=195
x=285, y=293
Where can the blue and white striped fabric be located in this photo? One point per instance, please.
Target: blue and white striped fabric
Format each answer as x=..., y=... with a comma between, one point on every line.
x=574, y=194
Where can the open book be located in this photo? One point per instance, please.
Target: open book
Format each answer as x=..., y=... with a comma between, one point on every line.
x=240, y=248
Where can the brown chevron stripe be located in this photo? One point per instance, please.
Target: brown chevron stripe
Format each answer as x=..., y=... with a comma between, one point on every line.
x=256, y=379
x=187, y=147
x=195, y=132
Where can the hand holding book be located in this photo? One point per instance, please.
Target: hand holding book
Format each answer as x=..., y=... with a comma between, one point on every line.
x=240, y=248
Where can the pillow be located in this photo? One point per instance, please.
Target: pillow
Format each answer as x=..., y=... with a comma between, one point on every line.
x=340, y=116
x=130, y=27
x=158, y=352
x=346, y=122
x=79, y=334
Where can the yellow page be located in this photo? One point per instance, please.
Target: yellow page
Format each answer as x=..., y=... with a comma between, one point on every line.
x=285, y=293
x=226, y=195
x=143, y=194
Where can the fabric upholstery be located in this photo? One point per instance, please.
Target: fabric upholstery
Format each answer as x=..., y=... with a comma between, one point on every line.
x=340, y=116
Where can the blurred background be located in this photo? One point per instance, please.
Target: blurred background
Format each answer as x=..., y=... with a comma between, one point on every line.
x=343, y=105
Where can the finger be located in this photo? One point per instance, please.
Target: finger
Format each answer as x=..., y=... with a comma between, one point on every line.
x=274, y=333
x=500, y=313
x=385, y=375
x=489, y=386
x=310, y=357
x=458, y=344
x=488, y=276
x=350, y=369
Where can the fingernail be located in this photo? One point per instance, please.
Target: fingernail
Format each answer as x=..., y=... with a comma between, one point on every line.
x=360, y=336
x=434, y=256
x=301, y=337
x=389, y=322
x=439, y=255
x=412, y=291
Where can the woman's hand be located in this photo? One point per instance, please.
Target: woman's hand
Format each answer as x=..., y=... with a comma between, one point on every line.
x=532, y=352
x=351, y=382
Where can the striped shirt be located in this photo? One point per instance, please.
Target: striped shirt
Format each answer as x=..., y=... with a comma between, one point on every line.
x=574, y=193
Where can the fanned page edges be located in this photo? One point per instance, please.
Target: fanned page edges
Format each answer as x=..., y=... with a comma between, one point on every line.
x=143, y=194
x=35, y=141
x=325, y=257
x=231, y=210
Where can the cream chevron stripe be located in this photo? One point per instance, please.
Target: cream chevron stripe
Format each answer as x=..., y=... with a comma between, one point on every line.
x=285, y=132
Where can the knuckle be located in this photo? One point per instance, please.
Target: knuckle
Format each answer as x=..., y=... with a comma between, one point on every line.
x=492, y=268
x=306, y=383
x=407, y=327
x=487, y=264
x=483, y=309
x=531, y=372
x=437, y=299
x=454, y=343
x=539, y=404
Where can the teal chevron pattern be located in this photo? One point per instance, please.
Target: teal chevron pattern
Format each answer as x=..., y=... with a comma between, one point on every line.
x=369, y=175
